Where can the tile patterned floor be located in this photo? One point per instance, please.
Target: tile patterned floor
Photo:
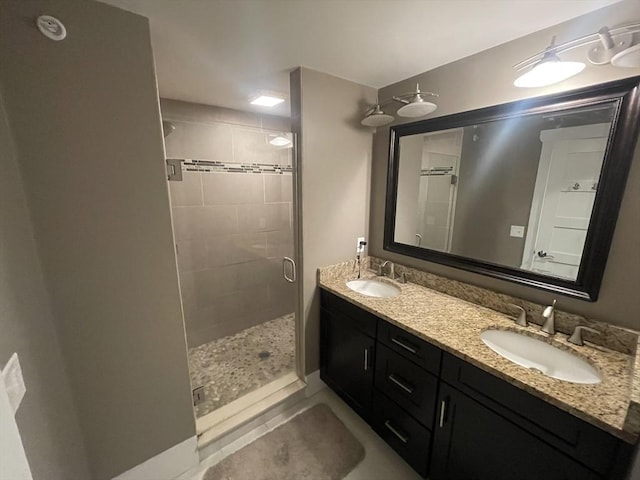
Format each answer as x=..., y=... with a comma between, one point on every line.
x=233, y=366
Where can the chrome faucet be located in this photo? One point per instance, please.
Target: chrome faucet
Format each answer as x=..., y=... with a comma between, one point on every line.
x=549, y=313
x=522, y=315
x=576, y=336
x=392, y=272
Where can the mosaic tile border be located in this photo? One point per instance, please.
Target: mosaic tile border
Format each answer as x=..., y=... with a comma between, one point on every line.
x=189, y=165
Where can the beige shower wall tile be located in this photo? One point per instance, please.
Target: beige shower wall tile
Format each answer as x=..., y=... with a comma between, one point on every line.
x=199, y=223
x=192, y=255
x=280, y=243
x=213, y=283
x=274, y=122
x=232, y=188
x=200, y=142
x=278, y=188
x=241, y=303
x=238, y=248
x=252, y=146
x=187, y=192
x=282, y=295
x=263, y=218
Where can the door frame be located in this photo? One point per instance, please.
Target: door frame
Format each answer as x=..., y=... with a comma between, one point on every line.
x=548, y=138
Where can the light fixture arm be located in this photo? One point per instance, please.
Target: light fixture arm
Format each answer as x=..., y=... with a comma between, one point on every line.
x=403, y=98
x=604, y=36
x=400, y=98
x=414, y=105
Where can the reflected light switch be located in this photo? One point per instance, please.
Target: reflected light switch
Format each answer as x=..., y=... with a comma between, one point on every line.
x=517, y=231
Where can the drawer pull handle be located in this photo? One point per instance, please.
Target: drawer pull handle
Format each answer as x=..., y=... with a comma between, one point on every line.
x=404, y=345
x=402, y=437
x=366, y=359
x=407, y=388
x=443, y=408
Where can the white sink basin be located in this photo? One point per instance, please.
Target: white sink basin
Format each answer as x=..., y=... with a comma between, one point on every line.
x=538, y=355
x=373, y=288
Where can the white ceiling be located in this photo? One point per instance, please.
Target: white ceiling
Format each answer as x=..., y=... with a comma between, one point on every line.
x=218, y=52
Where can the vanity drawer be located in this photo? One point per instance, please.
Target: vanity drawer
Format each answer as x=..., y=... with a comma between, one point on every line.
x=361, y=320
x=411, y=440
x=408, y=385
x=409, y=346
x=582, y=441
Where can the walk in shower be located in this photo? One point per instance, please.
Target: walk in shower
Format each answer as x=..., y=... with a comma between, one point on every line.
x=231, y=194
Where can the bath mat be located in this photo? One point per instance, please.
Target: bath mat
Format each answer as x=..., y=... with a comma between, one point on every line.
x=314, y=445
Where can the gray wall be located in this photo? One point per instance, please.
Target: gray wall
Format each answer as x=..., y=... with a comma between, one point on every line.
x=86, y=123
x=495, y=189
x=487, y=79
x=47, y=417
x=231, y=229
x=335, y=159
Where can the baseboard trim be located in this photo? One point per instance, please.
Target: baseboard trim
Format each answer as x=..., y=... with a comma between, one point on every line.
x=166, y=465
x=314, y=384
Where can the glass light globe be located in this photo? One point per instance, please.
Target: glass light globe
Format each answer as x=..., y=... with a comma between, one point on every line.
x=548, y=72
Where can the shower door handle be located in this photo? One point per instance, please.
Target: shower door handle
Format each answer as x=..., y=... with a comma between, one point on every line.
x=292, y=278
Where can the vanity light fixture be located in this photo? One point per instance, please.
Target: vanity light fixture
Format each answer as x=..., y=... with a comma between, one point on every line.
x=615, y=46
x=414, y=106
x=267, y=99
x=549, y=70
x=375, y=117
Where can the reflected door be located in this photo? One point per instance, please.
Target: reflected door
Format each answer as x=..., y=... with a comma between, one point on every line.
x=570, y=166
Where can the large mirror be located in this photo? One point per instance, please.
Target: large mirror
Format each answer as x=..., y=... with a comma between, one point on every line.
x=527, y=191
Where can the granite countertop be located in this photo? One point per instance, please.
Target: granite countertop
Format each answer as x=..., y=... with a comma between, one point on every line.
x=455, y=326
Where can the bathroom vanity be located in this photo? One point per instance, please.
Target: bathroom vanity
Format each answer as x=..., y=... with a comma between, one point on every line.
x=413, y=366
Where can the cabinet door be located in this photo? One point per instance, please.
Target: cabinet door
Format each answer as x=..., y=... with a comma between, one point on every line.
x=347, y=361
x=472, y=442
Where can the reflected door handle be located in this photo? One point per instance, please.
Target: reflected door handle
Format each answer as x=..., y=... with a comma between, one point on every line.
x=543, y=254
x=292, y=278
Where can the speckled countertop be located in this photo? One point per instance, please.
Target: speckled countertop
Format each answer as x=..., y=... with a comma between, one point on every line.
x=455, y=326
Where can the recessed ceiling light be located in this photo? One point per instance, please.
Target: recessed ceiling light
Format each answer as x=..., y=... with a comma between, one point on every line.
x=267, y=100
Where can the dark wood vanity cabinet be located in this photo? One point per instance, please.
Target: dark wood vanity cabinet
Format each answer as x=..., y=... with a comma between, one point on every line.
x=405, y=391
x=347, y=349
x=476, y=443
x=449, y=419
x=489, y=429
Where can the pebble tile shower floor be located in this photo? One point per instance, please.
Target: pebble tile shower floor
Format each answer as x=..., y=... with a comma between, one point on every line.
x=233, y=366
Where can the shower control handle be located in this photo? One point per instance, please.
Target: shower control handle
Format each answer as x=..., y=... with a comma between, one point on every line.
x=293, y=277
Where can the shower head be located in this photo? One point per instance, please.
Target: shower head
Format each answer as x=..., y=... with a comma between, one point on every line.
x=167, y=128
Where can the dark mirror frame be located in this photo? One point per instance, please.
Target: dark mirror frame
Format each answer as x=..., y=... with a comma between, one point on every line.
x=617, y=161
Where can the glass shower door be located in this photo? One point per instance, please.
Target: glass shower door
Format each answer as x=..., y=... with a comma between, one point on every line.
x=234, y=225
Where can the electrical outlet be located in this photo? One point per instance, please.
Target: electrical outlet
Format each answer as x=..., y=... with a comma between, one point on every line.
x=360, y=243
x=198, y=395
x=517, y=231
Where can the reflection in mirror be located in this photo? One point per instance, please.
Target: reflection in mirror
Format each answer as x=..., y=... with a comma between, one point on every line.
x=528, y=191
x=515, y=192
